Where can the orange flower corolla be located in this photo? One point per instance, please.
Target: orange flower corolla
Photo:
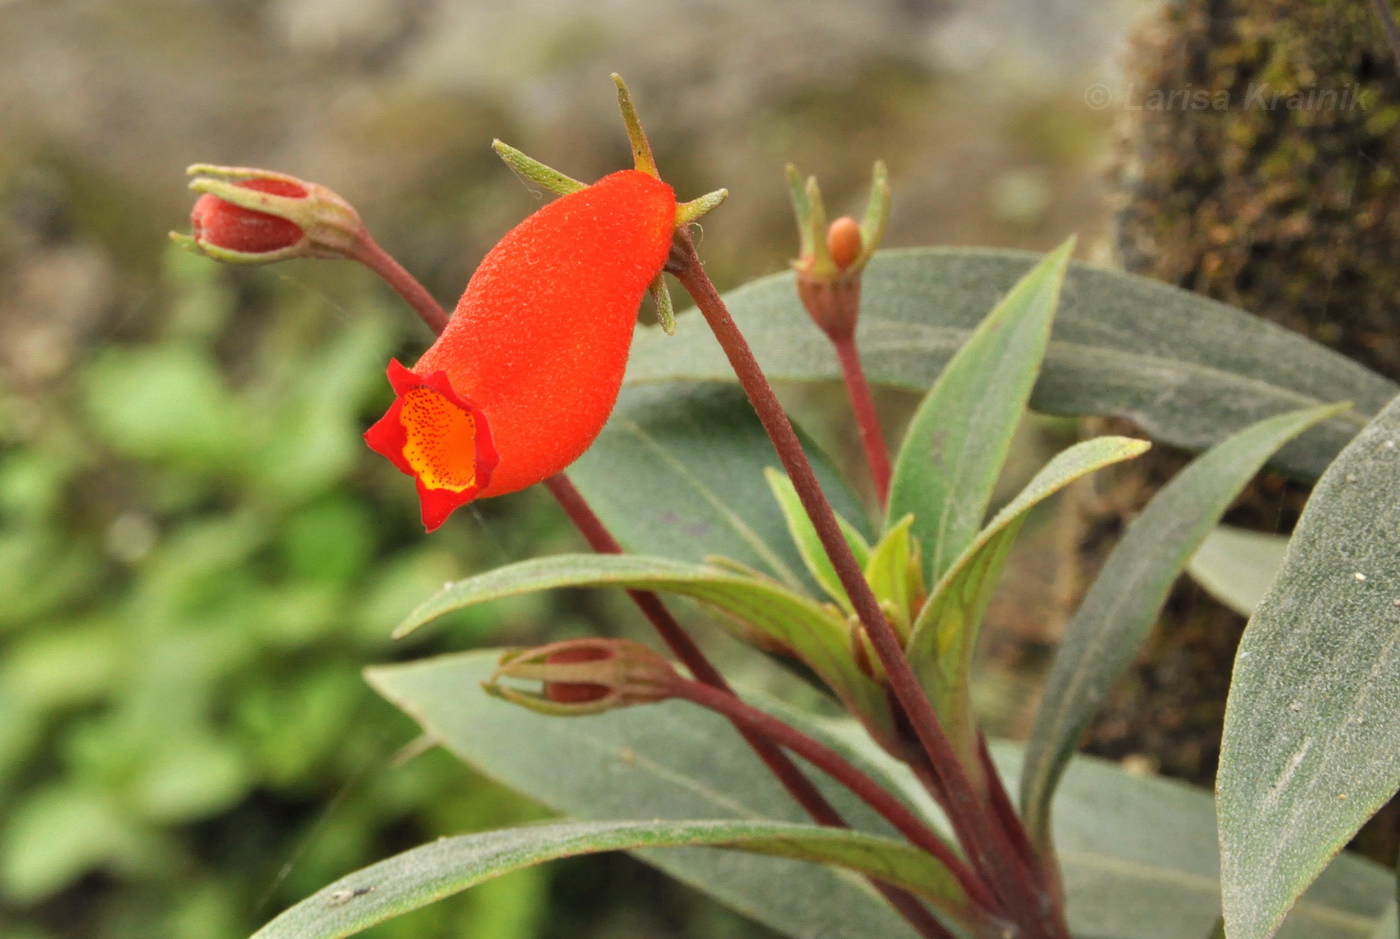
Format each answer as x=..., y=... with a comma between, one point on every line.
x=528, y=369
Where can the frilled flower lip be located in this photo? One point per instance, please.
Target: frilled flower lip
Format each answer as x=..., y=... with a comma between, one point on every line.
x=389, y=437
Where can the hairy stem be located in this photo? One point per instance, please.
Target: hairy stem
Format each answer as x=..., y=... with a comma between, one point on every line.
x=404, y=283
x=979, y=832
x=872, y=437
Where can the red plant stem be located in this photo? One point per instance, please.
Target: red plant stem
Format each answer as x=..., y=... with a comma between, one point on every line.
x=979, y=832
x=1004, y=811
x=404, y=283
x=1044, y=865
x=833, y=764
x=872, y=437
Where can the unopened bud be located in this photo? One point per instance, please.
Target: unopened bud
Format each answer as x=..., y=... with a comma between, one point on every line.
x=843, y=241
x=216, y=222
x=584, y=676
x=252, y=216
x=575, y=692
x=833, y=257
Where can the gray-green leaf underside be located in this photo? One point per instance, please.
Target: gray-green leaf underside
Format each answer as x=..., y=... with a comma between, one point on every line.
x=678, y=472
x=1189, y=370
x=1309, y=751
x=1121, y=606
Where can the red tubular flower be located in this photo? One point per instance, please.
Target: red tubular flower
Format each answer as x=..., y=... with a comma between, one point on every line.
x=528, y=369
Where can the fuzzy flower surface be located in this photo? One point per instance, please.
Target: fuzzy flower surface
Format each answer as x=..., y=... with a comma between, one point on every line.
x=529, y=367
x=224, y=225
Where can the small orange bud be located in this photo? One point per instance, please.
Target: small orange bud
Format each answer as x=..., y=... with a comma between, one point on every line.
x=843, y=241
x=528, y=369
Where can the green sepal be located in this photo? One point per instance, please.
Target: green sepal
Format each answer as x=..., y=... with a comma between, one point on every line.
x=877, y=213
x=642, y=157
x=661, y=296
x=533, y=171
x=695, y=209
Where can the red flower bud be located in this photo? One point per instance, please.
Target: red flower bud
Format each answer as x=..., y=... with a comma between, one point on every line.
x=584, y=676
x=528, y=369
x=253, y=216
x=234, y=228
x=575, y=692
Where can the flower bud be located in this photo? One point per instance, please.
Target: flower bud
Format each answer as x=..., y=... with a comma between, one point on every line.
x=832, y=257
x=528, y=369
x=843, y=242
x=251, y=216
x=584, y=676
x=234, y=228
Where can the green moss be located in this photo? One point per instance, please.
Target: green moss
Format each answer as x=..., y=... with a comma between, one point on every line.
x=1291, y=214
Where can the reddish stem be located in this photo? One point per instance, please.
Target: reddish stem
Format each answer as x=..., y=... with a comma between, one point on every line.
x=833, y=764
x=979, y=832
x=872, y=437
x=404, y=283
x=1043, y=864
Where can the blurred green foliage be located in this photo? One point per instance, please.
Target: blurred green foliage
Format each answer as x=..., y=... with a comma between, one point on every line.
x=197, y=557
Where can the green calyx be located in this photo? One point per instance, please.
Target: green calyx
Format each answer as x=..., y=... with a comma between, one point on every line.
x=815, y=258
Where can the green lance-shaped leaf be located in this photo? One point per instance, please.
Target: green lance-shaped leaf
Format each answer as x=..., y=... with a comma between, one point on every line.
x=769, y=615
x=678, y=472
x=1188, y=370
x=432, y=872
x=1237, y=566
x=1309, y=751
x=890, y=574
x=945, y=633
x=1123, y=602
x=1140, y=856
x=958, y=440
x=809, y=543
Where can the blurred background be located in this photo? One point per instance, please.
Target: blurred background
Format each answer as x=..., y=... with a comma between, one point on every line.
x=197, y=554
